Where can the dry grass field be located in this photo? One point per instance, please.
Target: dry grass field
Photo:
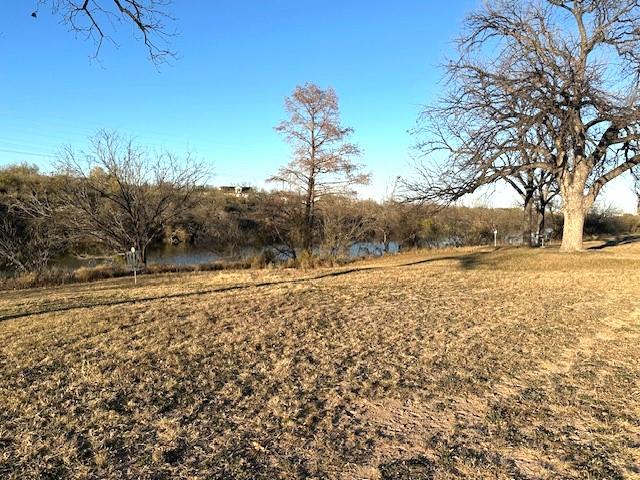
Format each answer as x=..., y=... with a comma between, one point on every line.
x=477, y=363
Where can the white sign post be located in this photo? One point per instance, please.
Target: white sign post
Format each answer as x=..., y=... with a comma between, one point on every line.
x=132, y=262
x=135, y=265
x=495, y=237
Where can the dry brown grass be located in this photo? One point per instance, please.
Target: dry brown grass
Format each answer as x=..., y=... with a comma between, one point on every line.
x=472, y=364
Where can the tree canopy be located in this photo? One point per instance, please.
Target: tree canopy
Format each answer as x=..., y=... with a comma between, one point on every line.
x=323, y=158
x=547, y=85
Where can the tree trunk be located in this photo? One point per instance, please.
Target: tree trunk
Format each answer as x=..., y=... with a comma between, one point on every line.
x=528, y=220
x=307, y=234
x=572, y=230
x=574, y=209
x=542, y=213
x=141, y=250
x=309, y=207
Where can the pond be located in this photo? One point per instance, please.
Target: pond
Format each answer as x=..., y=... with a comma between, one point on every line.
x=183, y=255
x=190, y=255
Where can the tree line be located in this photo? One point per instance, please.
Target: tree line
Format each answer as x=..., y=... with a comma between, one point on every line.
x=107, y=209
x=540, y=94
x=44, y=217
x=116, y=195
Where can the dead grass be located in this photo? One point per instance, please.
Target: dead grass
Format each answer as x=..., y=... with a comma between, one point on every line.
x=54, y=277
x=470, y=364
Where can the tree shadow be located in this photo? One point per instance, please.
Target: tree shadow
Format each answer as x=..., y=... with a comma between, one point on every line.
x=467, y=262
x=614, y=242
x=473, y=260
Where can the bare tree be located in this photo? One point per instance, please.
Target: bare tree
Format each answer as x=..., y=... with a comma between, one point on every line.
x=388, y=214
x=28, y=245
x=281, y=215
x=121, y=196
x=95, y=19
x=344, y=221
x=322, y=156
x=536, y=188
x=31, y=233
x=554, y=79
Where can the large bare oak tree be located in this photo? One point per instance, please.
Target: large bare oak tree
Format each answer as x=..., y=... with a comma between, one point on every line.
x=547, y=85
x=323, y=158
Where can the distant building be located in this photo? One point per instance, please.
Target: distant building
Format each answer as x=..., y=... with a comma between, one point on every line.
x=238, y=191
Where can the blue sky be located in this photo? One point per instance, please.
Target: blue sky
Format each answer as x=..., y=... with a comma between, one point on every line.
x=224, y=94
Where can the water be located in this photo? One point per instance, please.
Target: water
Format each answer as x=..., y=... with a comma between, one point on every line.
x=73, y=262
x=375, y=249
x=189, y=255
x=181, y=255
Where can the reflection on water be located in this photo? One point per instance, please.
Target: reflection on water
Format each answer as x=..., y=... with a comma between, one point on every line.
x=375, y=249
x=181, y=255
x=190, y=255
x=73, y=262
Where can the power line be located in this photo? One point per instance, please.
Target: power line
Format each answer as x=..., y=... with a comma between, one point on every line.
x=63, y=125
x=33, y=154
x=28, y=145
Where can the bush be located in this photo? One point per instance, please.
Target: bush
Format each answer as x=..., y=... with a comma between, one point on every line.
x=101, y=272
x=605, y=222
x=262, y=259
x=307, y=260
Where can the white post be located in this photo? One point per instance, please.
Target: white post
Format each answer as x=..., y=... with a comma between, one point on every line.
x=495, y=237
x=135, y=264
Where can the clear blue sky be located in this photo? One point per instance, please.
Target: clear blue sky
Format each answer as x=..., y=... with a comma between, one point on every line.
x=224, y=94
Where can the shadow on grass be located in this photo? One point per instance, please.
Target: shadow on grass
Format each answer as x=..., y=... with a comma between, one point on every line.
x=467, y=262
x=474, y=260
x=614, y=242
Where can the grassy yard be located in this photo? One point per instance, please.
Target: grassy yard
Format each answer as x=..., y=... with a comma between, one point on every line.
x=462, y=364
